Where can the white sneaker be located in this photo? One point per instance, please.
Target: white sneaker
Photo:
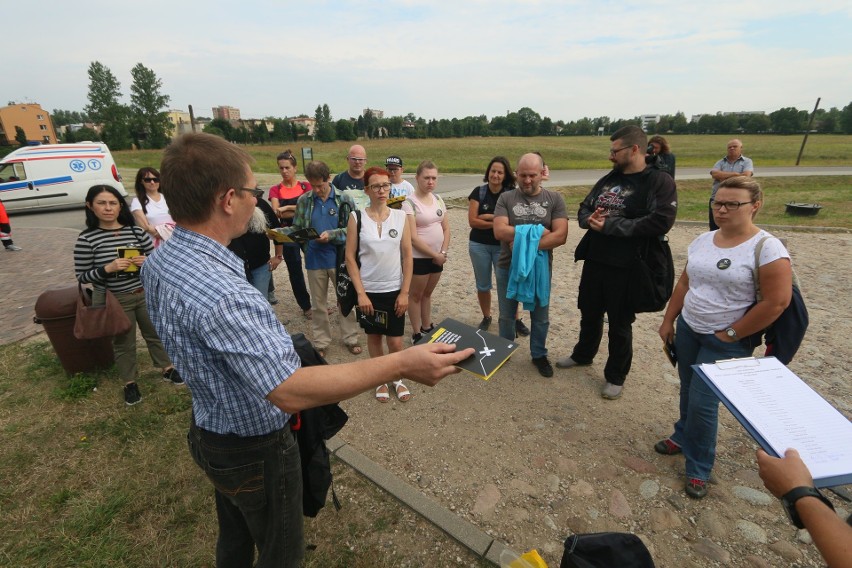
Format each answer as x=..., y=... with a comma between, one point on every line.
x=611, y=391
x=13, y=247
x=568, y=362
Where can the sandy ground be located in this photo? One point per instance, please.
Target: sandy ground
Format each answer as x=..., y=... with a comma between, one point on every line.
x=531, y=460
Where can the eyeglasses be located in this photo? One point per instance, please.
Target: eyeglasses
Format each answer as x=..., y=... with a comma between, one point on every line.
x=617, y=150
x=381, y=186
x=729, y=205
x=258, y=193
x=151, y=180
x=352, y=159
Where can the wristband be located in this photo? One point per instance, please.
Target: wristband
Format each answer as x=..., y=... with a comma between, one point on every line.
x=279, y=256
x=789, y=501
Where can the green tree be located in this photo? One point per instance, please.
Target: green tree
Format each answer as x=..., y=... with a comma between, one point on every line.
x=846, y=119
x=148, y=109
x=62, y=117
x=679, y=124
x=20, y=136
x=344, y=129
x=220, y=127
x=788, y=120
x=324, y=128
x=757, y=123
x=528, y=122
x=104, y=107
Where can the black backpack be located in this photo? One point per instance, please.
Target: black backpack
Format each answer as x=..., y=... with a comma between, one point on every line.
x=783, y=336
x=312, y=428
x=605, y=550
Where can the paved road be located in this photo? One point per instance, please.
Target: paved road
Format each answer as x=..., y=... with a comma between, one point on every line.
x=450, y=185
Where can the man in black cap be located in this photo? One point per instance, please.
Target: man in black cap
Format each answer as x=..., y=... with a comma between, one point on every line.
x=399, y=186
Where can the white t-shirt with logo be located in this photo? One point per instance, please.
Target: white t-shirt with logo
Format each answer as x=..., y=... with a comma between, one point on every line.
x=721, y=283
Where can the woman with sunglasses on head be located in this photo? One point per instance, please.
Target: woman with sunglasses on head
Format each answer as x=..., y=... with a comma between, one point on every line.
x=283, y=197
x=710, y=313
x=380, y=264
x=109, y=226
x=149, y=206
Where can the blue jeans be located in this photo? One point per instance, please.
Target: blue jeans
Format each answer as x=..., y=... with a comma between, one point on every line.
x=539, y=317
x=260, y=278
x=695, y=430
x=484, y=259
x=258, y=483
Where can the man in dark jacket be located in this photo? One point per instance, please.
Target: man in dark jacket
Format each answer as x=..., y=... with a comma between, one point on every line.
x=628, y=206
x=253, y=247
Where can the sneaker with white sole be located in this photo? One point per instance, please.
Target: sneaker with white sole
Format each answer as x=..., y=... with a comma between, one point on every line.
x=13, y=248
x=611, y=391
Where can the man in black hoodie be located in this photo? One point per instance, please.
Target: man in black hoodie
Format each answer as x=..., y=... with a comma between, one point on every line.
x=627, y=207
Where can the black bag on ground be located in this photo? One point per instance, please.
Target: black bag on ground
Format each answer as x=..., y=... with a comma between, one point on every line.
x=312, y=428
x=653, y=275
x=784, y=336
x=606, y=550
x=347, y=297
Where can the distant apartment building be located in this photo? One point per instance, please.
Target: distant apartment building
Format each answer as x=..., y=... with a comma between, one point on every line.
x=307, y=122
x=228, y=113
x=375, y=112
x=180, y=123
x=649, y=119
x=34, y=120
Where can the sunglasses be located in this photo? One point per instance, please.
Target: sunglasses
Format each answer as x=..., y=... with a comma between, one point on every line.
x=151, y=180
x=256, y=192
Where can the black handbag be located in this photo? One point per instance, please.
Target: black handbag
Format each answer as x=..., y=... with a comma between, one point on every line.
x=99, y=321
x=347, y=296
x=653, y=276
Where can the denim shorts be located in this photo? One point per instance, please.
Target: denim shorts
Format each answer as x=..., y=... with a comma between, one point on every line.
x=484, y=259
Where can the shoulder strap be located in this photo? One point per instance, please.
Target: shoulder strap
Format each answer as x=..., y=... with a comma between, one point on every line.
x=358, y=243
x=758, y=248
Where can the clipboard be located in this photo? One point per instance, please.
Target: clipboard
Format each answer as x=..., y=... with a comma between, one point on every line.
x=781, y=411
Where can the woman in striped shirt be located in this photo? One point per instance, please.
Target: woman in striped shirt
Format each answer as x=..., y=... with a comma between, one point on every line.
x=97, y=261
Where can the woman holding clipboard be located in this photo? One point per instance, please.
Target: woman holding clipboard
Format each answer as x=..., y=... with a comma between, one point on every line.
x=711, y=311
x=108, y=255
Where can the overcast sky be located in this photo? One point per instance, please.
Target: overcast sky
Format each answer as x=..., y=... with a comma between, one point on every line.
x=441, y=59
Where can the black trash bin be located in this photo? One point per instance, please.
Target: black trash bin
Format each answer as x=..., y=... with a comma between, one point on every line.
x=56, y=310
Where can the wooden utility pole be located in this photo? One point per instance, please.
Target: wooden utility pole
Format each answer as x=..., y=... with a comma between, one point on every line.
x=192, y=119
x=807, y=131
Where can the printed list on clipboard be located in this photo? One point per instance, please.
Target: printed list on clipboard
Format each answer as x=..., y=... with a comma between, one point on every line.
x=780, y=411
x=491, y=351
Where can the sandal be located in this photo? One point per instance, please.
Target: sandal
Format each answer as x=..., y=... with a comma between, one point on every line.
x=429, y=330
x=382, y=394
x=354, y=349
x=402, y=392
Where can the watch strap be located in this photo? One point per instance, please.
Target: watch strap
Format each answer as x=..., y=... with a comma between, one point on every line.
x=789, y=501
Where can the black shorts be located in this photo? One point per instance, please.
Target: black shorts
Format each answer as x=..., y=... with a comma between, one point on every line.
x=384, y=320
x=426, y=266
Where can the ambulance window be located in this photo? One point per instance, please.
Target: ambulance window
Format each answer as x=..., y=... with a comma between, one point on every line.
x=12, y=172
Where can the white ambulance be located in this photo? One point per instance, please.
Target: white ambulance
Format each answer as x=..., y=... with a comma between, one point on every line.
x=55, y=175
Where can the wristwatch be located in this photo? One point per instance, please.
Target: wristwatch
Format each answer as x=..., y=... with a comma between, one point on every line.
x=789, y=501
x=731, y=333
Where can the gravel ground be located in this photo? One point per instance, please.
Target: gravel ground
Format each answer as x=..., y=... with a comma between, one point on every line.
x=531, y=460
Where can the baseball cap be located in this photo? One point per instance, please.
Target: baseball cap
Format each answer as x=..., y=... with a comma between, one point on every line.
x=393, y=161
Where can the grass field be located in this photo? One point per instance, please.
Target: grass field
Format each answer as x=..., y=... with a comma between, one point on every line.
x=86, y=481
x=471, y=155
x=834, y=193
